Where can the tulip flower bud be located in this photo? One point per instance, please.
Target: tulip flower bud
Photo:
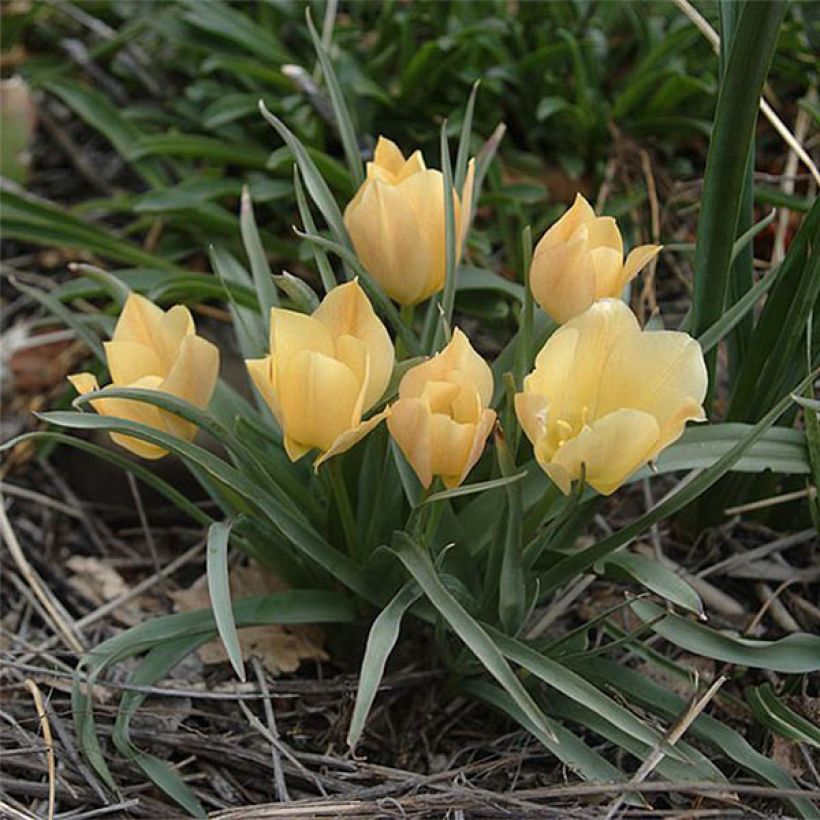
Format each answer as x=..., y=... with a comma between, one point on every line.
x=324, y=371
x=154, y=350
x=397, y=225
x=608, y=397
x=580, y=259
x=441, y=419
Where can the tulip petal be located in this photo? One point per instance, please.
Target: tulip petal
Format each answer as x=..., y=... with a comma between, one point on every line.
x=608, y=266
x=611, y=449
x=531, y=410
x=424, y=193
x=388, y=155
x=84, y=382
x=638, y=258
x=481, y=432
x=350, y=438
x=607, y=323
x=139, y=321
x=602, y=232
x=192, y=378
x=458, y=356
x=130, y=361
x=292, y=332
x=562, y=279
x=142, y=322
x=318, y=396
x=138, y=411
x=262, y=374
x=662, y=373
x=578, y=214
x=466, y=220
x=346, y=311
x=386, y=236
x=295, y=450
x=409, y=425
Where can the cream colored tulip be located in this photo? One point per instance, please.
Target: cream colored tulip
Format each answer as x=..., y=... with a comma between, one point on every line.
x=441, y=419
x=397, y=225
x=608, y=396
x=580, y=259
x=324, y=372
x=154, y=350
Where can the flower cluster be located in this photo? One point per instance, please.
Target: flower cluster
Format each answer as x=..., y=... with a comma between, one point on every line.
x=604, y=397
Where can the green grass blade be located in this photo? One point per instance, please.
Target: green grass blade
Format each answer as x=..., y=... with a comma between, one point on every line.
x=219, y=589
x=657, y=577
x=569, y=749
x=463, y=153
x=344, y=120
x=747, y=66
x=266, y=291
x=94, y=107
x=512, y=584
x=775, y=715
x=147, y=476
x=420, y=567
x=68, y=317
x=380, y=642
x=737, y=312
x=326, y=273
x=281, y=515
x=316, y=185
x=43, y=223
x=450, y=240
x=641, y=688
x=157, y=664
x=472, y=489
x=796, y=654
x=575, y=687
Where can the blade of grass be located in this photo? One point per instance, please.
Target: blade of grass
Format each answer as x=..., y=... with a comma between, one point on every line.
x=263, y=282
x=326, y=273
x=421, y=568
x=344, y=120
x=380, y=642
x=316, y=186
x=738, y=102
x=219, y=534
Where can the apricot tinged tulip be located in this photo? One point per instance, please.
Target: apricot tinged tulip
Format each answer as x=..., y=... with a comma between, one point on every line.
x=324, y=372
x=158, y=350
x=608, y=396
x=441, y=419
x=580, y=259
x=397, y=225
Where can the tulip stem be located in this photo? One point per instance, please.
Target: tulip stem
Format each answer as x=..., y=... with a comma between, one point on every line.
x=343, y=505
x=539, y=510
x=407, y=314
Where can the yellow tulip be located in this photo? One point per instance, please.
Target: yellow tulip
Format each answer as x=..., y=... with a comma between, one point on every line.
x=609, y=397
x=154, y=350
x=396, y=224
x=324, y=372
x=580, y=259
x=441, y=419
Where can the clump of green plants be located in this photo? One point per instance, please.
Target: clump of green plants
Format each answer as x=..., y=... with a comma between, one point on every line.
x=392, y=476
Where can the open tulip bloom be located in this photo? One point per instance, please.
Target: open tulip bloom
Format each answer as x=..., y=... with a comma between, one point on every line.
x=324, y=371
x=606, y=397
x=423, y=507
x=157, y=350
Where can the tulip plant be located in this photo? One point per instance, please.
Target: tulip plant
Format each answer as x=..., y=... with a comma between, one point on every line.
x=392, y=476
